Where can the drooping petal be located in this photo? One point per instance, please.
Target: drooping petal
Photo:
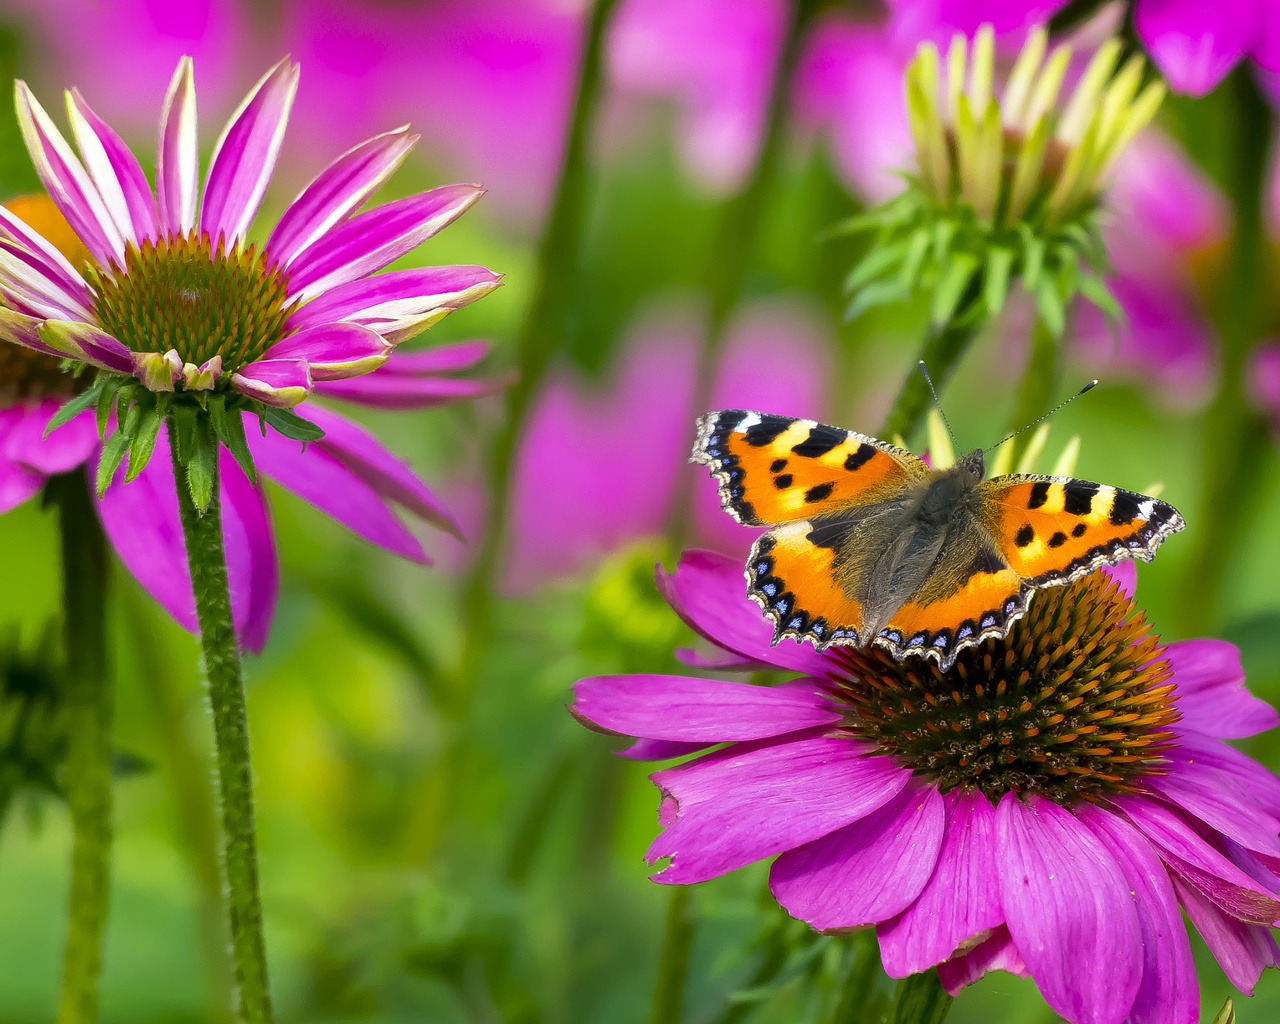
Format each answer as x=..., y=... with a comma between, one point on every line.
x=994, y=953
x=1212, y=696
x=334, y=351
x=68, y=446
x=27, y=278
x=1243, y=950
x=20, y=329
x=392, y=302
x=55, y=265
x=84, y=341
x=114, y=170
x=245, y=155
x=371, y=240
x=1067, y=903
x=1169, y=992
x=865, y=872
x=177, y=156
x=708, y=591
x=460, y=355
x=960, y=900
x=660, y=750
x=279, y=382
x=1188, y=854
x=364, y=455
x=1219, y=799
x=66, y=181
x=1259, y=780
x=141, y=520
x=337, y=190
x=753, y=800
x=318, y=477
x=706, y=710
x=1195, y=43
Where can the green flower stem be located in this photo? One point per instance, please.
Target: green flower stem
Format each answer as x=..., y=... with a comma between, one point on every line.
x=540, y=336
x=858, y=992
x=1039, y=381
x=920, y=999
x=735, y=241
x=1236, y=444
x=207, y=559
x=668, y=993
x=88, y=770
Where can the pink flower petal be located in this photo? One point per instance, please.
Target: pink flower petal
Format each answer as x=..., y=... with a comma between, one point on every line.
x=69, y=446
x=995, y=953
x=1220, y=799
x=334, y=351
x=21, y=329
x=1211, y=690
x=753, y=800
x=460, y=355
x=959, y=901
x=1257, y=778
x=177, y=156
x=1067, y=903
x=25, y=276
x=93, y=344
x=18, y=484
x=1195, y=43
x=389, y=303
x=1188, y=854
x=371, y=240
x=1263, y=376
x=659, y=750
x=400, y=391
x=364, y=455
x=56, y=267
x=115, y=171
x=1169, y=991
x=279, y=382
x=1125, y=575
x=66, y=181
x=1243, y=950
x=1164, y=199
x=246, y=155
x=706, y=710
x=865, y=872
x=336, y=191
x=709, y=592
x=317, y=476
x=141, y=520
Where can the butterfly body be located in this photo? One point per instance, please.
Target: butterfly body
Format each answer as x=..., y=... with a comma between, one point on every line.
x=868, y=544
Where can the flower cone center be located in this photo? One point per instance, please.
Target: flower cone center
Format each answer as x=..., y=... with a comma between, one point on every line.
x=185, y=294
x=1074, y=703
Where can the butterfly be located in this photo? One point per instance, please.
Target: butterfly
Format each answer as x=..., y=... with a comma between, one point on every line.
x=868, y=544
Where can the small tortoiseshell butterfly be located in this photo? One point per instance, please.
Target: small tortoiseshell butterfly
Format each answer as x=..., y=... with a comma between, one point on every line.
x=868, y=544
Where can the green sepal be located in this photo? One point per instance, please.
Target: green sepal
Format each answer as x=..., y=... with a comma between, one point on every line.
x=84, y=400
x=112, y=455
x=914, y=259
x=228, y=427
x=946, y=297
x=875, y=263
x=202, y=468
x=879, y=294
x=142, y=439
x=995, y=280
x=943, y=234
x=291, y=425
x=1032, y=259
x=1096, y=291
x=1049, y=304
x=184, y=419
x=106, y=398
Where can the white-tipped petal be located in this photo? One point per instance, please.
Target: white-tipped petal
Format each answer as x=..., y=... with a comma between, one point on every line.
x=177, y=155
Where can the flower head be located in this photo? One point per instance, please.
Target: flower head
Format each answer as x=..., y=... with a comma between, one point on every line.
x=178, y=310
x=1008, y=183
x=1057, y=799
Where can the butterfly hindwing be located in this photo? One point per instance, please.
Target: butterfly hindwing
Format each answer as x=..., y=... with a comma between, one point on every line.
x=1052, y=530
x=792, y=579
x=777, y=469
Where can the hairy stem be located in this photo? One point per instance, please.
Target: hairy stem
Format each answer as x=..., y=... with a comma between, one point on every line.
x=88, y=768
x=207, y=559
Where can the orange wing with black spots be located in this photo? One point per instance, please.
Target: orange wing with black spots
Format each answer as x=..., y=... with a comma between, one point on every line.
x=784, y=562
x=777, y=469
x=1053, y=530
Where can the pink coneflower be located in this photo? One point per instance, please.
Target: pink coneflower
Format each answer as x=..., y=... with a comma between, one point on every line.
x=1049, y=807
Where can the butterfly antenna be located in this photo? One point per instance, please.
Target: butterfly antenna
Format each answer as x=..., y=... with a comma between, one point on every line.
x=1088, y=387
x=929, y=380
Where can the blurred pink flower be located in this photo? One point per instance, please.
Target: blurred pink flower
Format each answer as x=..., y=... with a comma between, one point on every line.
x=913, y=21
x=599, y=467
x=1263, y=379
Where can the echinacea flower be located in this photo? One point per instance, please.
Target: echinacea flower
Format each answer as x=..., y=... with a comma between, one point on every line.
x=340, y=321
x=1049, y=807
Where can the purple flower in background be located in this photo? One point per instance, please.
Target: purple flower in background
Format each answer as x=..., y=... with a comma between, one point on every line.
x=1058, y=799
x=299, y=316
x=581, y=491
x=1264, y=379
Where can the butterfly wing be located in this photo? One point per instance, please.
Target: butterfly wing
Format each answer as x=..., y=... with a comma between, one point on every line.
x=776, y=469
x=818, y=484
x=1053, y=530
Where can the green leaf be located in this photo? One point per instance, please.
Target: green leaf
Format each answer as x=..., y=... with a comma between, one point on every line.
x=184, y=431
x=1032, y=260
x=943, y=233
x=879, y=294
x=1095, y=290
x=202, y=469
x=875, y=263
x=112, y=455
x=995, y=283
x=1049, y=303
x=229, y=428
x=142, y=440
x=77, y=405
x=291, y=425
x=947, y=295
x=911, y=262
x=106, y=396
